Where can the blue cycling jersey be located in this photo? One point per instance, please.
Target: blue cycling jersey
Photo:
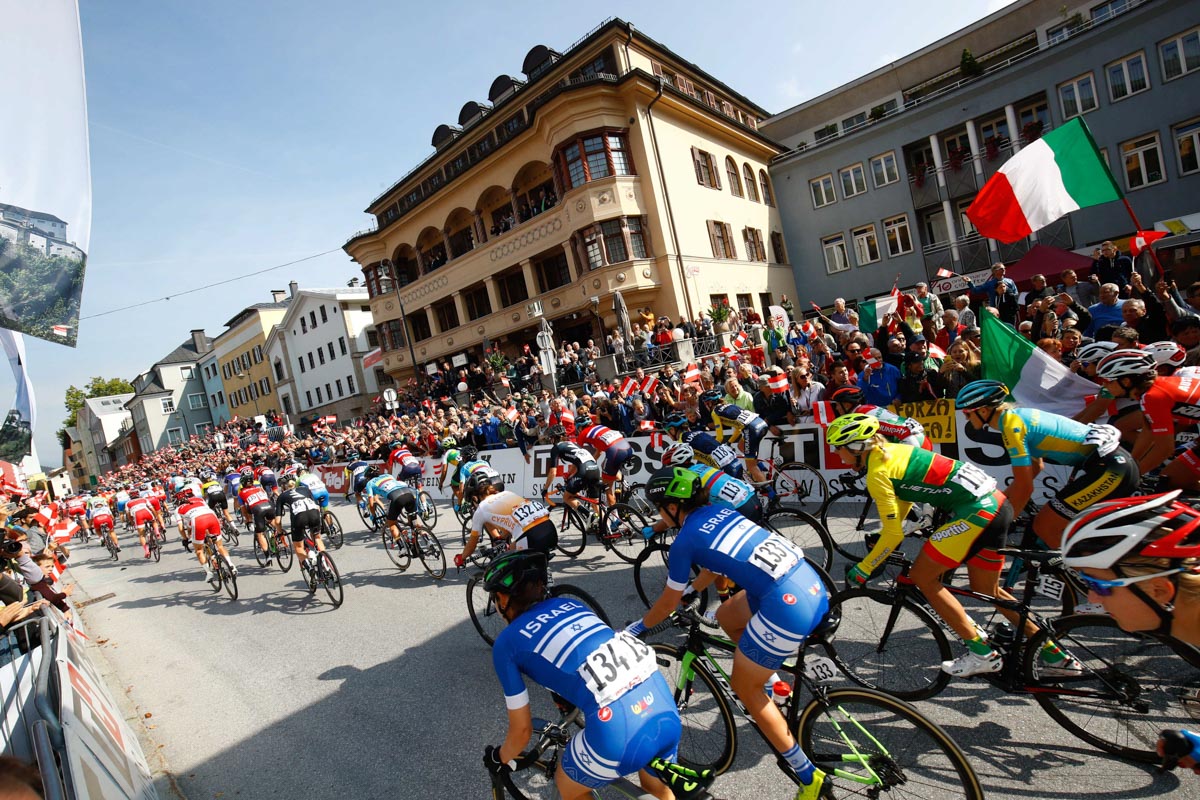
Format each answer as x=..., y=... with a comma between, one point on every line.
x=713, y=453
x=723, y=541
x=233, y=482
x=723, y=489
x=357, y=468
x=382, y=486
x=1029, y=433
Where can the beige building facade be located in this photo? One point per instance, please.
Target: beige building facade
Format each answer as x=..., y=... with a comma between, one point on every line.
x=613, y=166
x=246, y=376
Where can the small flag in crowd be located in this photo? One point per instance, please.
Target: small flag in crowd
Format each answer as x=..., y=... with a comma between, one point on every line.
x=730, y=353
x=649, y=385
x=807, y=328
x=646, y=425
x=503, y=380
x=823, y=413
x=511, y=415
x=740, y=340
x=658, y=440
x=61, y=330
x=691, y=374
x=872, y=312
x=1143, y=239
x=778, y=383
x=628, y=386
x=944, y=273
x=936, y=351
x=872, y=361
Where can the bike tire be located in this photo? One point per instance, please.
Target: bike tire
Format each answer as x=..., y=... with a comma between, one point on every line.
x=330, y=579
x=912, y=755
x=284, y=555
x=567, y=590
x=626, y=541
x=334, y=534
x=228, y=578
x=464, y=512
x=1159, y=679
x=214, y=567
x=430, y=551
x=635, y=495
x=709, y=738
x=804, y=531
x=367, y=518
x=263, y=559
x=429, y=512
x=397, y=551
x=483, y=612
x=572, y=534
x=156, y=550
x=479, y=557
x=849, y=517
x=896, y=647
x=1063, y=594
x=797, y=484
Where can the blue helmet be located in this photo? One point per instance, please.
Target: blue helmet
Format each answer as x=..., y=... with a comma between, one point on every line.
x=981, y=394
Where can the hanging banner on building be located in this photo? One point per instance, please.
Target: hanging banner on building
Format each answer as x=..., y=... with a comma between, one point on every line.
x=372, y=358
x=16, y=433
x=45, y=176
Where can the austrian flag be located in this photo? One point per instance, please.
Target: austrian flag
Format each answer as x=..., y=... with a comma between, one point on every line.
x=649, y=385
x=691, y=374
x=628, y=386
x=944, y=273
x=778, y=384
x=741, y=340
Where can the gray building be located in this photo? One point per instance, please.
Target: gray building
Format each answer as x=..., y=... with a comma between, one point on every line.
x=170, y=403
x=98, y=424
x=880, y=171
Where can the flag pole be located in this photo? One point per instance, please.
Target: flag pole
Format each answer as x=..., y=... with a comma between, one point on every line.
x=1137, y=228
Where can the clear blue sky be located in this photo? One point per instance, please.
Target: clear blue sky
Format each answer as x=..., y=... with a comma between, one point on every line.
x=231, y=136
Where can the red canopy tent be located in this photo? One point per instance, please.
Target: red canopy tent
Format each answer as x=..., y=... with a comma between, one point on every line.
x=1049, y=261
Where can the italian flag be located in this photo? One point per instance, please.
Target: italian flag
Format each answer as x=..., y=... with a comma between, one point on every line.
x=1031, y=374
x=871, y=312
x=1051, y=177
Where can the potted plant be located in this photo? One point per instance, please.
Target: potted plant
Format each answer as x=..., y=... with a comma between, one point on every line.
x=826, y=132
x=991, y=148
x=956, y=157
x=919, y=171
x=877, y=113
x=1032, y=131
x=496, y=359
x=968, y=66
x=719, y=314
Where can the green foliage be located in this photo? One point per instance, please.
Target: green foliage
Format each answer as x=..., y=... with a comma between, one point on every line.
x=96, y=387
x=969, y=67
x=38, y=292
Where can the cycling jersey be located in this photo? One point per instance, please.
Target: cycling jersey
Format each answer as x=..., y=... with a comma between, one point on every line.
x=76, y=506
x=382, y=486
x=233, y=482
x=122, y=500
x=212, y=487
x=630, y=716
x=1171, y=399
x=317, y=487
x=731, y=421
x=357, y=470
x=253, y=496
x=96, y=505
x=567, y=452
x=465, y=468
x=515, y=515
x=599, y=437
x=304, y=510
x=707, y=450
x=403, y=457
x=786, y=596
x=199, y=519
x=897, y=428
x=727, y=491
x=140, y=509
x=398, y=497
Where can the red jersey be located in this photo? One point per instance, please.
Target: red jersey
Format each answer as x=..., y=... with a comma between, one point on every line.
x=252, y=496
x=401, y=456
x=1170, y=400
x=76, y=506
x=136, y=504
x=599, y=437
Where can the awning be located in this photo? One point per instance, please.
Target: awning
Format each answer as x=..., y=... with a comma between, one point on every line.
x=1049, y=261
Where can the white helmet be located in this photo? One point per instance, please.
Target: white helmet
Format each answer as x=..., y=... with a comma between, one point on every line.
x=1095, y=351
x=678, y=455
x=1125, y=364
x=1167, y=354
x=1112, y=530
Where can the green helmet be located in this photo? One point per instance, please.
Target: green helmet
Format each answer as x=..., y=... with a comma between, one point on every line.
x=453, y=456
x=511, y=571
x=851, y=429
x=675, y=484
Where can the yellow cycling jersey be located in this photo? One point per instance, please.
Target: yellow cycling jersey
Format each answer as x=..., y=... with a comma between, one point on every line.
x=510, y=512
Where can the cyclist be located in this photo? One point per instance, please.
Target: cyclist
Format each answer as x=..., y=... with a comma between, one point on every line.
x=781, y=602
x=899, y=475
x=410, y=465
x=468, y=462
x=391, y=497
x=895, y=428
x=734, y=423
x=1102, y=470
x=506, y=515
x=578, y=467
x=265, y=476
x=198, y=519
x=232, y=480
x=298, y=500
x=631, y=719
x=450, y=459
x=617, y=452
x=122, y=498
x=723, y=489
x=1164, y=401
x=141, y=513
x=214, y=495
x=705, y=447
x=1140, y=559
x=101, y=519
x=315, y=485
x=356, y=470
x=256, y=506
x=1168, y=357
x=77, y=511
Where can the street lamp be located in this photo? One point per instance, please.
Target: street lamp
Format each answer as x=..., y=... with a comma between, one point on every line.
x=412, y=353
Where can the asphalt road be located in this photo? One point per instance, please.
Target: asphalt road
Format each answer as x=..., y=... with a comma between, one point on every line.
x=279, y=695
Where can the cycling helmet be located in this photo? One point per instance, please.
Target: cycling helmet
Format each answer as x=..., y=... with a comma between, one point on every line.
x=352, y=455
x=852, y=431
x=675, y=484
x=1156, y=526
x=676, y=422
x=453, y=456
x=847, y=394
x=556, y=432
x=1095, y=351
x=1167, y=354
x=1126, y=364
x=981, y=394
x=513, y=570
x=678, y=455
x=246, y=474
x=707, y=400
x=373, y=471
x=449, y=442
x=480, y=480
x=468, y=453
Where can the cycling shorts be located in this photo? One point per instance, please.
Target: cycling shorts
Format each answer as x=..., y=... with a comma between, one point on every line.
x=205, y=526
x=784, y=616
x=1109, y=477
x=616, y=457
x=268, y=482
x=104, y=523
x=1191, y=457
x=305, y=522
x=121, y=506
x=752, y=436
x=263, y=513
x=217, y=501
x=751, y=509
x=621, y=738
x=143, y=516
x=399, y=501
x=974, y=535
x=409, y=471
x=541, y=538
x=79, y=512
x=586, y=478
x=360, y=483
x=322, y=498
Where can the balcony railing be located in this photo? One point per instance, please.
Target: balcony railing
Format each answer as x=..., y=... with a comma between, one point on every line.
x=973, y=254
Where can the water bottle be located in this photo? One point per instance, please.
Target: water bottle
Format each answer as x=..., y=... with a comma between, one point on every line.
x=769, y=686
x=1002, y=636
x=780, y=692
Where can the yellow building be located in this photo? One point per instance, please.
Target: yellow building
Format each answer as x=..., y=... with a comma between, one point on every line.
x=615, y=165
x=245, y=374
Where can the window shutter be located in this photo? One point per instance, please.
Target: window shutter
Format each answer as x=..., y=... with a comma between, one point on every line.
x=711, y=99
x=716, y=173
x=749, y=240
x=656, y=68
x=712, y=237
x=701, y=171
x=758, y=240
x=730, y=246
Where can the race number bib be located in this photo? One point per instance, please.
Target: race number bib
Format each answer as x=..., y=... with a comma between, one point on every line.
x=617, y=666
x=303, y=504
x=974, y=480
x=776, y=556
x=732, y=493
x=529, y=513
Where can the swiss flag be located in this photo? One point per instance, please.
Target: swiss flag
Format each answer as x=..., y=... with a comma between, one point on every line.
x=691, y=374
x=649, y=385
x=628, y=386
x=1143, y=239
x=778, y=384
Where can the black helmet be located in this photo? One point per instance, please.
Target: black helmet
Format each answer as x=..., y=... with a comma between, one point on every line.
x=675, y=484
x=707, y=400
x=848, y=394
x=468, y=453
x=511, y=571
x=556, y=432
x=676, y=422
x=373, y=471
x=481, y=479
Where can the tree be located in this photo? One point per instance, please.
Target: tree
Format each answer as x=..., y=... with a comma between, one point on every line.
x=96, y=387
x=968, y=66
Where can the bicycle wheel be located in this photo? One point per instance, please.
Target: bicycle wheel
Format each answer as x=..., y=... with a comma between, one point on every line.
x=396, y=550
x=856, y=736
x=155, y=548
x=798, y=484
x=261, y=558
x=484, y=615
x=804, y=531
x=229, y=533
x=635, y=495
x=329, y=578
x=429, y=512
x=430, y=551
x=465, y=511
x=481, y=556
x=567, y=590
x=650, y=575
x=622, y=531
x=571, y=533
x=214, y=568
x=895, y=647
x=284, y=555
x=367, y=519
x=228, y=578
x=709, y=739
x=332, y=529
x=849, y=517
x=1056, y=594
x=1132, y=685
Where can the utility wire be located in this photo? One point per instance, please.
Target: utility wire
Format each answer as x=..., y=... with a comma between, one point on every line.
x=210, y=285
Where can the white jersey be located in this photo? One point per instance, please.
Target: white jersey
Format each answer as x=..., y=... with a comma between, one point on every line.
x=199, y=512
x=314, y=484
x=510, y=512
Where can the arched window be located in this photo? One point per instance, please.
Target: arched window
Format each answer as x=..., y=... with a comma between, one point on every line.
x=735, y=183
x=751, y=190
x=767, y=195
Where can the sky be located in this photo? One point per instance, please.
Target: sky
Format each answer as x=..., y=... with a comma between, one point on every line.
x=229, y=137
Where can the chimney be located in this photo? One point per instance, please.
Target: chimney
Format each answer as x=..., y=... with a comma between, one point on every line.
x=278, y=295
x=200, y=341
x=293, y=287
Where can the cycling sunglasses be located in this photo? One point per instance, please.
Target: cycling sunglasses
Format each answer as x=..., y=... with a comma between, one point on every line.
x=1104, y=587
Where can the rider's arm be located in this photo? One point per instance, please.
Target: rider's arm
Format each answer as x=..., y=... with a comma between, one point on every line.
x=1094, y=410
x=892, y=512
x=1021, y=488
x=677, y=580
x=1156, y=441
x=1025, y=467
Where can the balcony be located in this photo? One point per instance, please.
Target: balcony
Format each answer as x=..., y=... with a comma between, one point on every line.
x=973, y=255
x=923, y=186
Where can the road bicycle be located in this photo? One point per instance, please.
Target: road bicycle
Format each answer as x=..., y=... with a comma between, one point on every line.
x=1125, y=688
x=113, y=549
x=331, y=529
x=425, y=506
x=868, y=743
x=155, y=539
x=220, y=570
x=537, y=766
x=793, y=483
x=228, y=531
x=616, y=527
x=318, y=568
x=278, y=548
x=414, y=541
